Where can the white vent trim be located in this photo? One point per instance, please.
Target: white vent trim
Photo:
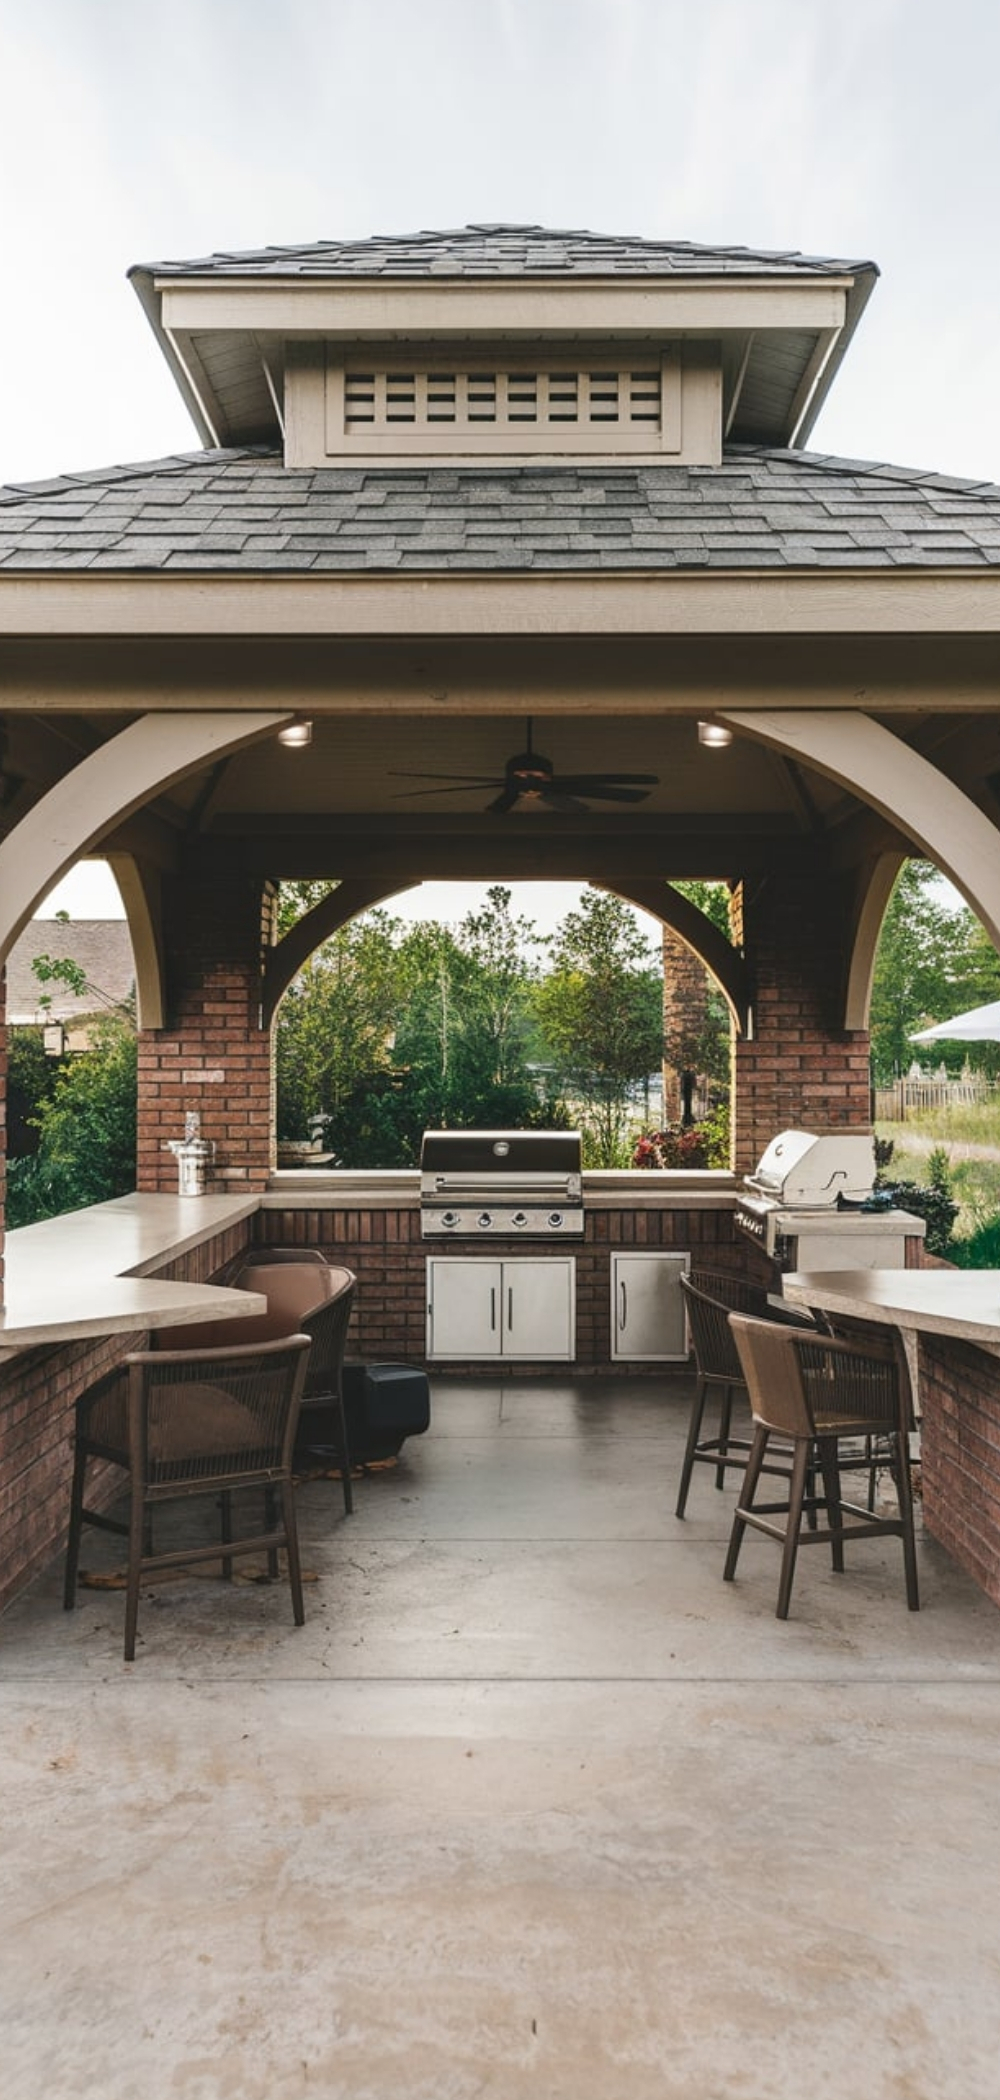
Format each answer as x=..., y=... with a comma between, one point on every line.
x=539, y=403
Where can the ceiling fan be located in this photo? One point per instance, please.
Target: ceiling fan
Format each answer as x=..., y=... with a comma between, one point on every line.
x=530, y=782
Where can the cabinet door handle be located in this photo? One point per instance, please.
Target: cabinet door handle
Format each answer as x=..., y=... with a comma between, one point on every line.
x=623, y=1321
x=510, y=1307
x=493, y=1309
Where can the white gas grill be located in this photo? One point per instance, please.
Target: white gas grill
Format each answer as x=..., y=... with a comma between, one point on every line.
x=481, y=1184
x=802, y=1172
x=802, y=1205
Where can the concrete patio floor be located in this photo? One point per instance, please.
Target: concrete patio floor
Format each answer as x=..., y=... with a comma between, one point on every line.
x=534, y=1804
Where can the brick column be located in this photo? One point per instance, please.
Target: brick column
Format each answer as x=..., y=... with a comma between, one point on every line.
x=686, y=985
x=213, y=1057
x=800, y=1071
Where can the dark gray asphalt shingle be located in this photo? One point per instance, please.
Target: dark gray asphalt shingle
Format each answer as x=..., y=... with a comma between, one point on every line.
x=241, y=511
x=507, y=251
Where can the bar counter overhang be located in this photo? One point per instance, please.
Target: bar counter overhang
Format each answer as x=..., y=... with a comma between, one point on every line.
x=952, y=1318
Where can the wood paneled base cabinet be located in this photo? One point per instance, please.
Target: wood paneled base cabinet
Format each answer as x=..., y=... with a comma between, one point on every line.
x=522, y=1308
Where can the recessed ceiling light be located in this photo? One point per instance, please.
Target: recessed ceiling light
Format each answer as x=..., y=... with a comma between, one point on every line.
x=715, y=735
x=296, y=734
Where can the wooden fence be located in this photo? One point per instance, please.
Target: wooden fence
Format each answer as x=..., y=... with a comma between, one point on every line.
x=914, y=1095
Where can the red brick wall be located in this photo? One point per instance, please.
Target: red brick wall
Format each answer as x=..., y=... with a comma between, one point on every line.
x=213, y=1057
x=960, y=1454
x=800, y=1070
x=38, y=1393
x=385, y=1250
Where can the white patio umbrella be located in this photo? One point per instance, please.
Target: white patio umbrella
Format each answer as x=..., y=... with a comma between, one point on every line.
x=980, y=1025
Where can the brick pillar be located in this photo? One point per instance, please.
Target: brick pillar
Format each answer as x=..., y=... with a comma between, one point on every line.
x=213, y=1056
x=801, y=1071
x=686, y=985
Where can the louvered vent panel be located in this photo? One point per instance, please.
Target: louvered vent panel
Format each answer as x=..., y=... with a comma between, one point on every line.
x=527, y=403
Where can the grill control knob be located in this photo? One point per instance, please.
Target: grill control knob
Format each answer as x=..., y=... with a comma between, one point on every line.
x=451, y=1218
x=555, y=1219
x=484, y=1220
x=519, y=1218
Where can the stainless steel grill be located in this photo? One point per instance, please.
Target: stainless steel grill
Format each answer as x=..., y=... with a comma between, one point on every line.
x=483, y=1183
x=803, y=1177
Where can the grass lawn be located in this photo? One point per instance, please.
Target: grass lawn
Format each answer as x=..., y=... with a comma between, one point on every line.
x=970, y=1140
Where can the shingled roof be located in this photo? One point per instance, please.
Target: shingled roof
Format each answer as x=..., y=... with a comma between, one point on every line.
x=244, y=511
x=507, y=251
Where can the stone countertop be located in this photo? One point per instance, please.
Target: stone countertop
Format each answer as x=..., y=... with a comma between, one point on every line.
x=964, y=1303
x=93, y=1272
x=399, y=1189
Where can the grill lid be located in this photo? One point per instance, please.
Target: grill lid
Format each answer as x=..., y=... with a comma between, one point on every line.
x=489, y=1157
x=813, y=1171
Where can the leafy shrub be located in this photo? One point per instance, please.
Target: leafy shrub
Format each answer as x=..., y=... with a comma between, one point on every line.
x=672, y=1148
x=936, y=1205
x=981, y=1248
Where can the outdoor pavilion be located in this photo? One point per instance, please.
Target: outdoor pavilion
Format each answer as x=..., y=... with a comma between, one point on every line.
x=457, y=480
x=450, y=482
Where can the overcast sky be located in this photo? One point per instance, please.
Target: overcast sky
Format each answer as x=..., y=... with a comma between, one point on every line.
x=134, y=130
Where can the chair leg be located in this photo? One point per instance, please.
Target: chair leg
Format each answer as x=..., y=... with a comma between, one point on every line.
x=725, y=1421
x=226, y=1527
x=345, y=1450
x=693, y=1435
x=904, y=1490
x=271, y=1520
x=136, y=1532
x=831, y=1489
x=758, y=1451
x=796, y=1492
x=292, y=1551
x=75, y=1528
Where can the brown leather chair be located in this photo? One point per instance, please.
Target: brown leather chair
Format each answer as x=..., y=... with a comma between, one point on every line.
x=193, y=1422
x=305, y=1294
x=816, y=1391
x=308, y=1293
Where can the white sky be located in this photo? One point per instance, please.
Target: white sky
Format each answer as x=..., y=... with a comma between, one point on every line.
x=854, y=128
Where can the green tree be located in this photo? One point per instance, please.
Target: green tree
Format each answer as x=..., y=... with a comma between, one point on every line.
x=87, y=1124
x=933, y=960
x=600, y=1009
x=336, y=1025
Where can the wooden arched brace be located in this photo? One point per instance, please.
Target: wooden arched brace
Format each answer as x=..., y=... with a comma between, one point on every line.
x=723, y=962
x=97, y=795
x=915, y=796
x=326, y=918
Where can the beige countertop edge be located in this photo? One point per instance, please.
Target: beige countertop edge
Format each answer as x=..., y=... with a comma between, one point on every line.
x=91, y=1272
x=963, y=1303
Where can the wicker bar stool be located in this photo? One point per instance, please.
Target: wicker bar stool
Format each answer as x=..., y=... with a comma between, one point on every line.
x=817, y=1391
x=183, y=1423
x=710, y=1296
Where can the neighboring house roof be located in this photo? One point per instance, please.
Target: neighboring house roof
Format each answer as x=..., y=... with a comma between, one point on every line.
x=102, y=948
x=507, y=251
x=244, y=511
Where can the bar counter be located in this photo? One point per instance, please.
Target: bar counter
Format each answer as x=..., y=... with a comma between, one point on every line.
x=94, y=1272
x=953, y=1317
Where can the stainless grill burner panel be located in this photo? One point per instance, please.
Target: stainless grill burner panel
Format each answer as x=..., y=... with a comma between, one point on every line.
x=478, y=1184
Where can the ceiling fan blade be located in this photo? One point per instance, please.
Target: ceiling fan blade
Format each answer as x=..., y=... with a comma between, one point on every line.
x=504, y=802
x=468, y=787
x=474, y=779
x=586, y=783
x=555, y=797
x=602, y=794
